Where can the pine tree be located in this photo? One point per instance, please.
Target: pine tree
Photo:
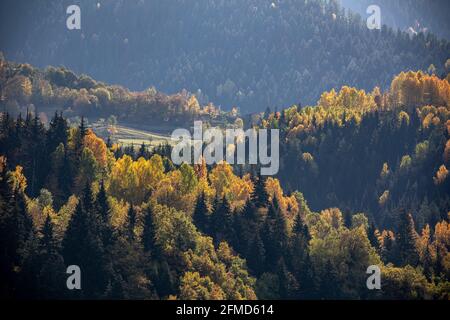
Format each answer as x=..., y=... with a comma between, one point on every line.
x=260, y=197
x=247, y=224
x=103, y=211
x=299, y=259
x=102, y=203
x=201, y=215
x=274, y=233
x=329, y=283
x=148, y=234
x=299, y=245
x=57, y=132
x=287, y=282
x=82, y=246
x=37, y=167
x=223, y=223
x=142, y=151
x=17, y=241
x=51, y=281
x=257, y=256
x=406, y=240
x=65, y=177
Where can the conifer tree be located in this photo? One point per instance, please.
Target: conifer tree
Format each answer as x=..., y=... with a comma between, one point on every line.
x=247, y=224
x=148, y=234
x=82, y=246
x=51, y=282
x=406, y=240
x=57, y=132
x=256, y=257
x=260, y=197
x=329, y=283
x=274, y=233
x=223, y=223
x=287, y=282
x=103, y=211
x=142, y=151
x=201, y=215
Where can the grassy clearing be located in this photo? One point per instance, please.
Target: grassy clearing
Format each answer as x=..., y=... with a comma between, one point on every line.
x=127, y=136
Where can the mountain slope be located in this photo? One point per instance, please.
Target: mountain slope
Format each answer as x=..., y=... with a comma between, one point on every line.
x=252, y=54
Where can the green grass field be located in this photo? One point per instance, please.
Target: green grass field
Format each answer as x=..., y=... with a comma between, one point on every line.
x=127, y=136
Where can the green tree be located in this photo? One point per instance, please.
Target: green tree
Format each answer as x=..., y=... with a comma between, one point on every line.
x=201, y=215
x=406, y=240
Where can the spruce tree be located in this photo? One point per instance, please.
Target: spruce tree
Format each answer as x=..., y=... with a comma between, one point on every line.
x=260, y=197
x=223, y=223
x=256, y=257
x=275, y=235
x=142, y=151
x=299, y=259
x=57, y=132
x=103, y=211
x=201, y=215
x=329, y=283
x=247, y=224
x=406, y=240
x=102, y=203
x=287, y=282
x=82, y=246
x=148, y=234
x=51, y=282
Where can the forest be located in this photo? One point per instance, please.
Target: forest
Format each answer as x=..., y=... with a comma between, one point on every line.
x=24, y=87
x=251, y=54
x=141, y=227
x=364, y=150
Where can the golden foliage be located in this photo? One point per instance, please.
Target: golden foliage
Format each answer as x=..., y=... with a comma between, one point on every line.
x=350, y=98
x=417, y=88
x=288, y=204
x=224, y=182
x=97, y=146
x=133, y=181
x=441, y=175
x=18, y=179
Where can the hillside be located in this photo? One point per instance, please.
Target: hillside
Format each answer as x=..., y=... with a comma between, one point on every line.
x=252, y=54
x=420, y=15
x=372, y=165
x=377, y=153
x=24, y=88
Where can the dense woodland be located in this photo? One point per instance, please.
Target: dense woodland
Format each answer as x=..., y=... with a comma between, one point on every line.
x=251, y=54
x=364, y=173
x=141, y=227
x=377, y=153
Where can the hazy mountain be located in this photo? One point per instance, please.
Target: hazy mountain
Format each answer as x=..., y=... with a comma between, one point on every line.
x=252, y=54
